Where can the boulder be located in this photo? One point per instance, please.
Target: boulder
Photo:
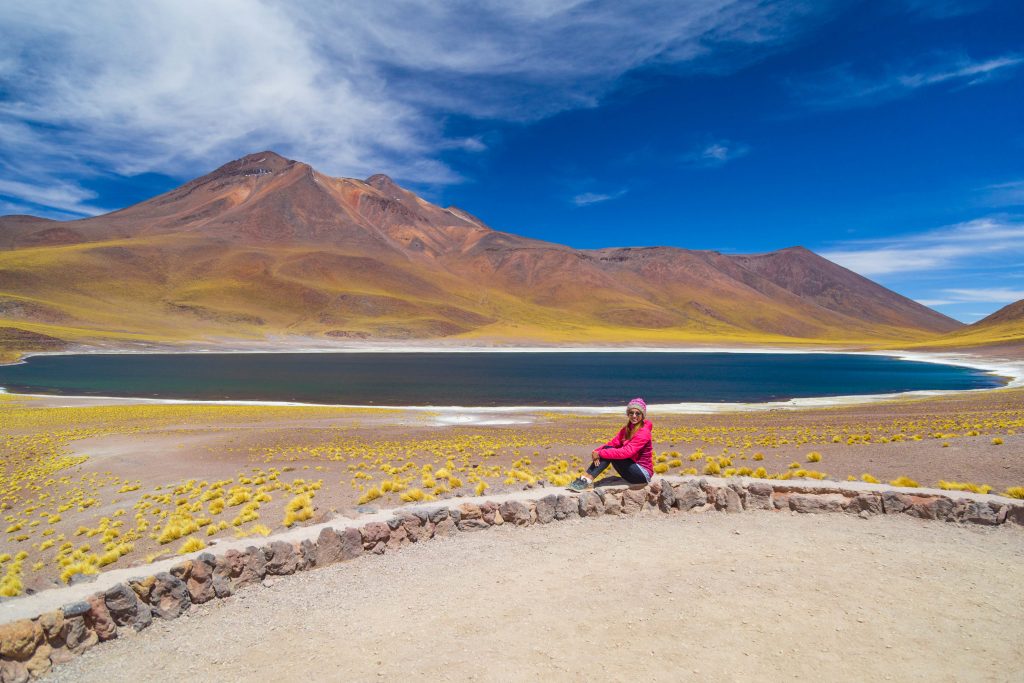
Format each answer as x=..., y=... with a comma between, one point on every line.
x=894, y=503
x=727, y=499
x=200, y=583
x=612, y=503
x=39, y=664
x=869, y=503
x=77, y=638
x=398, y=537
x=666, y=497
x=975, y=512
x=52, y=624
x=281, y=558
x=590, y=504
x=445, y=527
x=170, y=596
x=689, y=495
x=546, y=509
x=141, y=586
x=122, y=603
x=473, y=524
x=1015, y=514
x=19, y=639
x=470, y=511
x=490, y=512
x=759, y=496
x=415, y=527
x=933, y=507
x=374, y=533
x=810, y=503
x=634, y=500
x=98, y=618
x=516, y=512
x=566, y=506
x=13, y=672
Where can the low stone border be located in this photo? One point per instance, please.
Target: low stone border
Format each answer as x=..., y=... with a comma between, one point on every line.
x=31, y=647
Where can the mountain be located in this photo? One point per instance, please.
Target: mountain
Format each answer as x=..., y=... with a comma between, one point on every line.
x=1005, y=326
x=266, y=246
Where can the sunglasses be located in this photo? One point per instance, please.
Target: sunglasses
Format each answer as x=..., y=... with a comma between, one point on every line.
x=633, y=412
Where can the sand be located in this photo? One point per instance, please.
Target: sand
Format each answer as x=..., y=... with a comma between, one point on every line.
x=763, y=596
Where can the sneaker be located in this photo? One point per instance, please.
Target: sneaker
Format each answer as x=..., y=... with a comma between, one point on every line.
x=580, y=484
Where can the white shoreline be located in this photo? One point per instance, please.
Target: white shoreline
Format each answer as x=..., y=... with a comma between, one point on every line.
x=453, y=415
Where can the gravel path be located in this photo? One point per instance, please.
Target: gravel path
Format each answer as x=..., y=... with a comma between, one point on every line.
x=720, y=597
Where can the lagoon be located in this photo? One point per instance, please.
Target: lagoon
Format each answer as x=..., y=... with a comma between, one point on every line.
x=469, y=378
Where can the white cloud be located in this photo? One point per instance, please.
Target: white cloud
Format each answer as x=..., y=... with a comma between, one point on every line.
x=841, y=86
x=181, y=86
x=64, y=197
x=934, y=302
x=588, y=198
x=994, y=295
x=1004, y=194
x=716, y=153
x=951, y=246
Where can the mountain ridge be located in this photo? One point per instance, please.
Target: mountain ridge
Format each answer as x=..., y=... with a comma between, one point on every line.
x=265, y=245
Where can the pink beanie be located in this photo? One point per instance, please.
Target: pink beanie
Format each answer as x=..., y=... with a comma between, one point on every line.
x=639, y=404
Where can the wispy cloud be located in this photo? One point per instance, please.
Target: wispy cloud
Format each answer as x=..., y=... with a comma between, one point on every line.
x=716, y=153
x=180, y=86
x=1004, y=194
x=843, y=86
x=997, y=295
x=588, y=198
x=66, y=198
x=952, y=246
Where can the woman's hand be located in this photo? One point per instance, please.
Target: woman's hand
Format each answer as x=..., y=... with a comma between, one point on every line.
x=596, y=455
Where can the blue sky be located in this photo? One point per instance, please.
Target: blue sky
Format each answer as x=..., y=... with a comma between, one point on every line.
x=886, y=136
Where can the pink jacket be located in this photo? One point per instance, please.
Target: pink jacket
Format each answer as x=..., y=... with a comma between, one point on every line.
x=638, y=449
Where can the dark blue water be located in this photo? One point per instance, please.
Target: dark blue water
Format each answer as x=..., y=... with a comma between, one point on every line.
x=483, y=379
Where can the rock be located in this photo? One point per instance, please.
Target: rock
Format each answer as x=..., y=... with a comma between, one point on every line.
x=221, y=586
x=933, y=507
x=516, y=512
x=759, y=496
x=612, y=504
x=868, y=503
x=634, y=500
x=894, y=503
x=181, y=571
x=727, y=499
x=170, y=596
x=437, y=514
x=374, y=533
x=200, y=583
x=251, y=567
x=351, y=544
x=98, y=618
x=491, y=514
x=281, y=559
x=77, y=638
x=13, y=672
x=75, y=609
x=810, y=503
x=52, y=623
x=61, y=655
x=142, y=587
x=590, y=504
x=666, y=497
x=328, y=546
x=476, y=524
x=546, y=509
x=445, y=527
x=469, y=511
x=398, y=538
x=566, y=506
x=122, y=603
x=19, y=639
x=307, y=554
x=974, y=512
x=415, y=527
x=1015, y=514
x=39, y=664
x=689, y=495
x=379, y=548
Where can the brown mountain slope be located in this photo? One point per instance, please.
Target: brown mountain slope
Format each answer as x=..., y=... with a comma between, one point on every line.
x=1005, y=326
x=266, y=246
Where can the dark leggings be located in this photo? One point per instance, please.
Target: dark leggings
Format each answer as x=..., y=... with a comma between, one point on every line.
x=627, y=469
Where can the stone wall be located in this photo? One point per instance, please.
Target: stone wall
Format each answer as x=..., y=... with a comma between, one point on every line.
x=31, y=647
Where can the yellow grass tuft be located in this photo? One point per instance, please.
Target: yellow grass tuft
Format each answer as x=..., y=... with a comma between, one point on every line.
x=905, y=482
x=191, y=545
x=964, y=486
x=814, y=456
x=869, y=479
x=1014, y=492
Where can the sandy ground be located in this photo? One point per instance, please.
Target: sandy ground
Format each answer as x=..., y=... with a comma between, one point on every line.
x=764, y=596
